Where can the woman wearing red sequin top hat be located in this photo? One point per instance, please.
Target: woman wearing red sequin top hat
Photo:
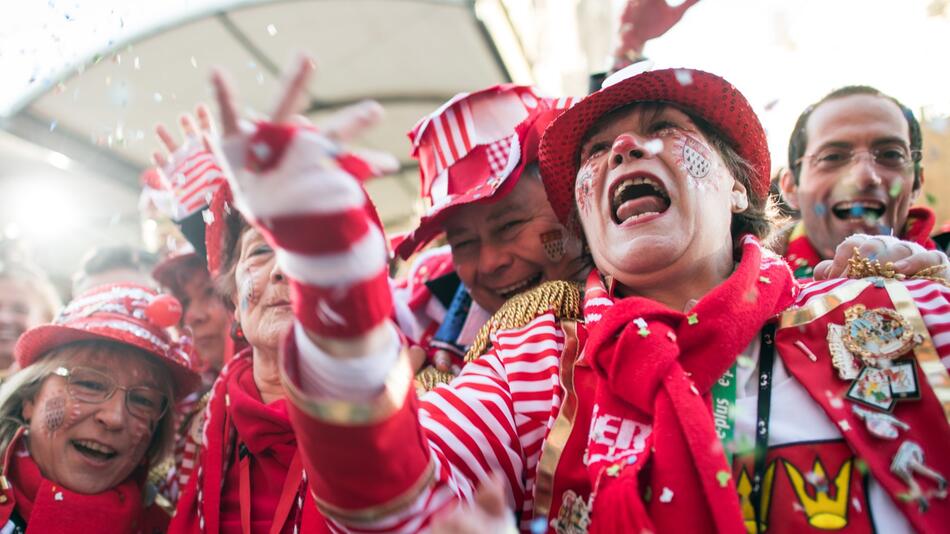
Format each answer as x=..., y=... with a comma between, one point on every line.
x=88, y=414
x=699, y=388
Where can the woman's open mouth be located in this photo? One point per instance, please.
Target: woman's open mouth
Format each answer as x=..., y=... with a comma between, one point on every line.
x=93, y=450
x=637, y=197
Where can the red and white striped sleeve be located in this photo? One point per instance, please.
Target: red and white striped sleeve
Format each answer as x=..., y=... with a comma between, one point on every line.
x=394, y=472
x=933, y=302
x=293, y=184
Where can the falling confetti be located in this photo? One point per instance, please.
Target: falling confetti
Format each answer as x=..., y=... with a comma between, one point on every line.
x=684, y=77
x=539, y=525
x=857, y=210
x=158, y=97
x=931, y=199
x=52, y=126
x=895, y=189
x=194, y=62
x=613, y=470
x=692, y=319
x=861, y=466
x=136, y=63
x=271, y=30
x=653, y=146
x=745, y=362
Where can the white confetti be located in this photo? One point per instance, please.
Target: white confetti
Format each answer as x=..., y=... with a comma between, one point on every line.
x=194, y=62
x=158, y=97
x=684, y=77
x=58, y=496
x=653, y=146
x=271, y=30
x=666, y=496
x=136, y=63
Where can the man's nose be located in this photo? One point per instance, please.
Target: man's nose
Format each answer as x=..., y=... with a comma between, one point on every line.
x=865, y=172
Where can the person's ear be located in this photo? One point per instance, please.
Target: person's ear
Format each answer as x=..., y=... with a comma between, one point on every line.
x=739, y=197
x=789, y=188
x=28, y=408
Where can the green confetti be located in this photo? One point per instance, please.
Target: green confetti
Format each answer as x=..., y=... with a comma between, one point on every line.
x=861, y=466
x=931, y=199
x=613, y=470
x=648, y=494
x=723, y=478
x=692, y=319
x=895, y=189
x=643, y=332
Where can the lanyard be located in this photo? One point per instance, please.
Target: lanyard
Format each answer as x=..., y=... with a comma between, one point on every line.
x=288, y=493
x=724, y=412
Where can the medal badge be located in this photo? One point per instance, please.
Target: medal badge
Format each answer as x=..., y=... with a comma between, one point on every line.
x=574, y=515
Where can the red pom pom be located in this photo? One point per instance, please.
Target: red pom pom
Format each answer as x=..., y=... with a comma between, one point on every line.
x=164, y=311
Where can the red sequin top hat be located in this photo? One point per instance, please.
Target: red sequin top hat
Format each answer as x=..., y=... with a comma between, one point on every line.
x=473, y=148
x=125, y=313
x=698, y=92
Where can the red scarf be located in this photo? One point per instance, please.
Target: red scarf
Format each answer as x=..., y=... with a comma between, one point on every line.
x=802, y=256
x=50, y=508
x=236, y=414
x=655, y=367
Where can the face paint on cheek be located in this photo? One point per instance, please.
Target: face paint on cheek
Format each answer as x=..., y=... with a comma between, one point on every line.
x=248, y=292
x=695, y=159
x=54, y=414
x=584, y=188
x=553, y=243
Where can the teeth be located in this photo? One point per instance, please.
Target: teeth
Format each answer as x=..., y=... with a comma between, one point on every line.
x=92, y=445
x=630, y=182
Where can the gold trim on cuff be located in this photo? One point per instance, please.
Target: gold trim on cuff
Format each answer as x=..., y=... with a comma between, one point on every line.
x=818, y=307
x=380, y=511
x=349, y=413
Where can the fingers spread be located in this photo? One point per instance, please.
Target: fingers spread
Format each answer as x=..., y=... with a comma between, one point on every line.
x=225, y=97
x=166, y=137
x=295, y=90
x=188, y=126
x=204, y=118
x=351, y=121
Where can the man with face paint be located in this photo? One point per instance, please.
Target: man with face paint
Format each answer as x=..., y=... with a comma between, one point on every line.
x=853, y=167
x=478, y=161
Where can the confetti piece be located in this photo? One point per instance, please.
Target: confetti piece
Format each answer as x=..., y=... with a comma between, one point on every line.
x=158, y=97
x=631, y=460
x=271, y=30
x=931, y=199
x=136, y=63
x=844, y=425
x=861, y=466
x=857, y=210
x=613, y=470
x=692, y=319
x=653, y=146
x=857, y=504
x=671, y=336
x=723, y=478
x=820, y=209
x=207, y=216
x=895, y=189
x=745, y=362
x=804, y=348
x=539, y=525
x=666, y=496
x=52, y=126
x=643, y=332
x=765, y=280
x=684, y=77
x=194, y=62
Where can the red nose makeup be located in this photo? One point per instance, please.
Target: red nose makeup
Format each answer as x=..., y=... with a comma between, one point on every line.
x=623, y=143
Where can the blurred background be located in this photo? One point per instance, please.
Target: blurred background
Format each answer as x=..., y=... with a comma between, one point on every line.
x=85, y=82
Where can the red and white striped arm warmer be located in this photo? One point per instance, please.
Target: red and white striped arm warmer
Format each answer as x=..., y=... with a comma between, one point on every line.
x=298, y=189
x=392, y=463
x=189, y=179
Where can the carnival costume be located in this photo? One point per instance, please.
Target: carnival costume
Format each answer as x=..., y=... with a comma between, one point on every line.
x=124, y=314
x=591, y=438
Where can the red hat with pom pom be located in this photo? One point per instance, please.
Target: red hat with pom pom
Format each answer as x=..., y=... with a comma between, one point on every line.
x=125, y=313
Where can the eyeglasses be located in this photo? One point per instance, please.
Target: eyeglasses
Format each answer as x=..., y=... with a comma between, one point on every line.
x=892, y=157
x=89, y=385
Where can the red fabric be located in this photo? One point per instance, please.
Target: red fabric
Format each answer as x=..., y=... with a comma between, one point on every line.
x=347, y=476
x=265, y=430
x=925, y=417
x=666, y=391
x=802, y=256
x=50, y=508
x=342, y=312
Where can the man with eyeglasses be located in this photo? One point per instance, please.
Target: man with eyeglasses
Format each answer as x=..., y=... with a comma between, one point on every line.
x=854, y=168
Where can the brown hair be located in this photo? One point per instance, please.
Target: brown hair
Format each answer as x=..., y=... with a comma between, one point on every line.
x=234, y=229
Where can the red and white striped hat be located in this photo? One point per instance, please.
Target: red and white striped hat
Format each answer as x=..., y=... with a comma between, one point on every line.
x=470, y=147
x=125, y=313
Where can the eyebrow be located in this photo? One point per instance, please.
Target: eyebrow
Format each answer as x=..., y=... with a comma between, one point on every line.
x=876, y=142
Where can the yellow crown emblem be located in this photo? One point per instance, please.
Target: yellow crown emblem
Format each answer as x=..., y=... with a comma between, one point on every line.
x=823, y=511
x=744, y=489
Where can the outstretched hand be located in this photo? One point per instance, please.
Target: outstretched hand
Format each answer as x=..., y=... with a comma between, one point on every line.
x=643, y=20
x=908, y=258
x=488, y=513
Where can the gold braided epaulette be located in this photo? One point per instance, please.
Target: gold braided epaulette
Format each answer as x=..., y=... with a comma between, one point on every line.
x=430, y=377
x=563, y=298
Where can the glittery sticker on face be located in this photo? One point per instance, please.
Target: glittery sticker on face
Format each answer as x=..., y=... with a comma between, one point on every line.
x=584, y=188
x=554, y=245
x=54, y=413
x=248, y=292
x=694, y=157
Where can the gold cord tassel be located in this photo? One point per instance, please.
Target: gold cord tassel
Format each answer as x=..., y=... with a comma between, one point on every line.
x=861, y=267
x=564, y=298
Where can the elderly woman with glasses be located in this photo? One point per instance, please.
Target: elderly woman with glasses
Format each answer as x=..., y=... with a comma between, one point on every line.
x=88, y=415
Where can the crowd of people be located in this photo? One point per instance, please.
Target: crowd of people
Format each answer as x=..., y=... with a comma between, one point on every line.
x=604, y=326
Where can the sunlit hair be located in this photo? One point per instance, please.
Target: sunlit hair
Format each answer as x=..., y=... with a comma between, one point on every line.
x=26, y=383
x=37, y=282
x=759, y=219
